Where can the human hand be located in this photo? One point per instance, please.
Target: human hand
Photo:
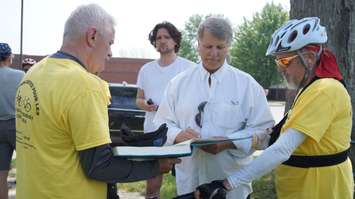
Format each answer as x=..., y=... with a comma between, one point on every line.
x=213, y=190
x=212, y=148
x=166, y=164
x=151, y=107
x=187, y=134
x=216, y=148
x=261, y=139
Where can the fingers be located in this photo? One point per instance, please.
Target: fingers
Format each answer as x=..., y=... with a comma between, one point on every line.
x=152, y=107
x=261, y=139
x=212, y=149
x=191, y=133
x=219, y=137
x=173, y=161
x=254, y=141
x=187, y=134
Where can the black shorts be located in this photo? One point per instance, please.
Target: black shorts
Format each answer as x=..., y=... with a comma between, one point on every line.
x=7, y=143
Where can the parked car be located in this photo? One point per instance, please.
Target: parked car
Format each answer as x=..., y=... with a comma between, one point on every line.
x=123, y=111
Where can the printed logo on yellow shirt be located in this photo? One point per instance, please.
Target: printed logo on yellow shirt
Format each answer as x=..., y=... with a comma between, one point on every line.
x=27, y=104
x=27, y=107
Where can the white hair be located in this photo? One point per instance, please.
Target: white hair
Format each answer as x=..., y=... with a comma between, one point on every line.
x=86, y=16
x=218, y=27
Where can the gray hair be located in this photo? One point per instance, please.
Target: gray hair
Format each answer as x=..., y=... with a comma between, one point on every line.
x=86, y=16
x=218, y=27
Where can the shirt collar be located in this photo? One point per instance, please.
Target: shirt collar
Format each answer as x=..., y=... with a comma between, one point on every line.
x=218, y=75
x=64, y=55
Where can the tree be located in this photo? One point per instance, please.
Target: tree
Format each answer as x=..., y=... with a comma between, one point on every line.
x=189, y=38
x=251, y=41
x=338, y=16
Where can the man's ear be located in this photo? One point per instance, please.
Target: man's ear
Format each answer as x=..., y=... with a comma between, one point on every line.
x=91, y=35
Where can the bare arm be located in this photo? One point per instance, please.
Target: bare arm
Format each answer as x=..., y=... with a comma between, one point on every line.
x=141, y=102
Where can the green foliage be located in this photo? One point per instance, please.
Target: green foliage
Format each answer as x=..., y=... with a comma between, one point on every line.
x=189, y=38
x=251, y=41
x=264, y=188
x=168, y=190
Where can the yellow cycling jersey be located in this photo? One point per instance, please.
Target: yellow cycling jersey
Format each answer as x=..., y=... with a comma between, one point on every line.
x=323, y=113
x=60, y=109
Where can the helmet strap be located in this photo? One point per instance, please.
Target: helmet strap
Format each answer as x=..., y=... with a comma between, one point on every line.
x=307, y=70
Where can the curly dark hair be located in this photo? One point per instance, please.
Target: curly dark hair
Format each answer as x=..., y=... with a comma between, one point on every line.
x=173, y=31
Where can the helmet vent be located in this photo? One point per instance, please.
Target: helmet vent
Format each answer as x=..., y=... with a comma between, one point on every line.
x=306, y=28
x=283, y=34
x=276, y=40
x=292, y=36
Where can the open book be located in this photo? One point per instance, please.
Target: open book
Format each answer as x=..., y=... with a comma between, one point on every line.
x=176, y=150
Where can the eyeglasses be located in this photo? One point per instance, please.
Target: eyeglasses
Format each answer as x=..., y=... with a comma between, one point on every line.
x=285, y=61
x=198, y=116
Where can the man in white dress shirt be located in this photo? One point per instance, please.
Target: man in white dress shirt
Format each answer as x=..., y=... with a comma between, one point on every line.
x=214, y=99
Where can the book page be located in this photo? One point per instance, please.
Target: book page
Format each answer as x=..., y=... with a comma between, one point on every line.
x=215, y=140
x=177, y=150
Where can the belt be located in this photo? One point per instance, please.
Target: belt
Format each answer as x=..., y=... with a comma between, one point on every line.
x=317, y=161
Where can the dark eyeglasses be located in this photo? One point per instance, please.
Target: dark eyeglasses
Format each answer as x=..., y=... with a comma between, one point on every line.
x=200, y=108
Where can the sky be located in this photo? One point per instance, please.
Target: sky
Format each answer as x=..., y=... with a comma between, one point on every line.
x=44, y=20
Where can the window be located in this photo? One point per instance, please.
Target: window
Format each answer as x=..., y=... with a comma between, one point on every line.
x=123, y=97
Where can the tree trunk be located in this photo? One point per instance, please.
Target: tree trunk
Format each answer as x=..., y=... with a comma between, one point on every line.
x=338, y=17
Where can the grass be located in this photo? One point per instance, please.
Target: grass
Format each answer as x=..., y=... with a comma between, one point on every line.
x=168, y=189
x=263, y=187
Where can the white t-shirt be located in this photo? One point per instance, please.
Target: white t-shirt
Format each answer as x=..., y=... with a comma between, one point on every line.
x=153, y=78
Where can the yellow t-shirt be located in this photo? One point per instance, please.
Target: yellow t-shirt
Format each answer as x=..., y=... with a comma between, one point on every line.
x=323, y=113
x=60, y=109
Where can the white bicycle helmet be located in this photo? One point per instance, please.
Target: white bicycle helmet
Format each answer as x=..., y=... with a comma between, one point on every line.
x=295, y=34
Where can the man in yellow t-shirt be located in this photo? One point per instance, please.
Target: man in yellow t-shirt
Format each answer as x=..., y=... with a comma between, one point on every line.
x=62, y=121
x=311, y=153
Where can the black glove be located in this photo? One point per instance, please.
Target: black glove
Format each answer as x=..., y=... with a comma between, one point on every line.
x=212, y=190
x=155, y=138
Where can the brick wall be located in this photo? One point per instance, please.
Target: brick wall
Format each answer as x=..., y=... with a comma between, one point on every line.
x=117, y=69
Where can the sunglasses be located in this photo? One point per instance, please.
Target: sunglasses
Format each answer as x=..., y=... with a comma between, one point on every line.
x=198, y=116
x=285, y=61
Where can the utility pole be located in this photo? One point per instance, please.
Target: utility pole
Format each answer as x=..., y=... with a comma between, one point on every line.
x=21, y=32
